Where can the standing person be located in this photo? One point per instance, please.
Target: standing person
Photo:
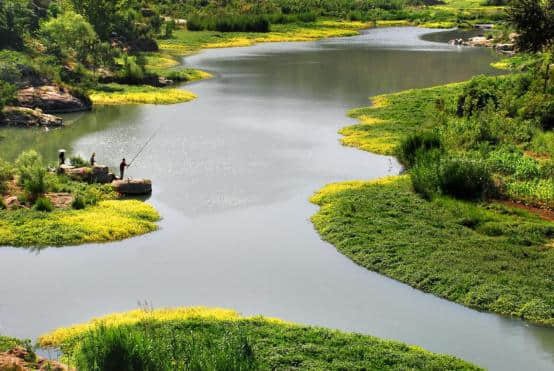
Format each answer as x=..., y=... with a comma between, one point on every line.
x=93, y=159
x=61, y=156
x=122, y=166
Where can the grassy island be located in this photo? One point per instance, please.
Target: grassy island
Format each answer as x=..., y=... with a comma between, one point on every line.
x=208, y=338
x=472, y=220
x=43, y=208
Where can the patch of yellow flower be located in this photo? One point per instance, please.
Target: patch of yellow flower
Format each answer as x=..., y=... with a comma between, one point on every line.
x=61, y=335
x=108, y=221
x=444, y=24
x=319, y=197
x=150, y=96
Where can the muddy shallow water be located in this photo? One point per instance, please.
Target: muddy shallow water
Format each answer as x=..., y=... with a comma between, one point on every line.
x=232, y=172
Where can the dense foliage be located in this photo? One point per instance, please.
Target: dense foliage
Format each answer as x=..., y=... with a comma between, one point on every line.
x=218, y=339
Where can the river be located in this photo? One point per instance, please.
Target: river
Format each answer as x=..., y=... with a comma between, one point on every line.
x=232, y=173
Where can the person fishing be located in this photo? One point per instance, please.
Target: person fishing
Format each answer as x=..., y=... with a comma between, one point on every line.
x=93, y=159
x=122, y=167
x=61, y=157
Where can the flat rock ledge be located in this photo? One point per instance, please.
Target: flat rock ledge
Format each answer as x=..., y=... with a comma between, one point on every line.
x=51, y=99
x=28, y=117
x=133, y=186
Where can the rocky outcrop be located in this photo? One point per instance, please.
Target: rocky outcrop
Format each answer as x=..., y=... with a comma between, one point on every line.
x=20, y=359
x=487, y=42
x=51, y=99
x=95, y=174
x=27, y=117
x=133, y=186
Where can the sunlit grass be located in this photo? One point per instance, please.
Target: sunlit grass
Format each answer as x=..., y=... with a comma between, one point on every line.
x=110, y=94
x=186, y=42
x=108, y=221
x=273, y=344
x=485, y=256
x=390, y=117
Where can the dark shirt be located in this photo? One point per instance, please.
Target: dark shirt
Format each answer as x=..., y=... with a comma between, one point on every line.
x=122, y=165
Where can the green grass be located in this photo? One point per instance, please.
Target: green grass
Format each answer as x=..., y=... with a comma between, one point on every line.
x=104, y=222
x=393, y=116
x=187, y=42
x=108, y=94
x=485, y=256
x=268, y=343
x=7, y=343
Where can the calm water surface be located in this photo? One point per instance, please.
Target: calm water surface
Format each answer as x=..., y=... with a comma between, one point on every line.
x=232, y=172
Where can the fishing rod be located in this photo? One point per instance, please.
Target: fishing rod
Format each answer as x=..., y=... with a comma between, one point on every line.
x=144, y=145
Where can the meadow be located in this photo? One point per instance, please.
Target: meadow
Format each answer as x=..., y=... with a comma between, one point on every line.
x=472, y=219
x=220, y=339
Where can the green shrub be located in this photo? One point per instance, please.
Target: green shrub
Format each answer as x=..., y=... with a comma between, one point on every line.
x=414, y=143
x=307, y=17
x=465, y=178
x=43, y=204
x=32, y=173
x=425, y=173
x=78, y=203
x=151, y=347
x=6, y=174
x=477, y=94
x=78, y=161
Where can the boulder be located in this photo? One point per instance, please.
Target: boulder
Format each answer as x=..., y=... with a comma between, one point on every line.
x=479, y=41
x=101, y=174
x=12, y=203
x=27, y=117
x=51, y=99
x=133, y=186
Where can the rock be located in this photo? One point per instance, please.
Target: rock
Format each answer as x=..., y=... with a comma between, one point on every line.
x=479, y=41
x=95, y=174
x=133, y=186
x=12, y=203
x=51, y=99
x=60, y=200
x=27, y=117
x=456, y=42
x=20, y=359
x=101, y=174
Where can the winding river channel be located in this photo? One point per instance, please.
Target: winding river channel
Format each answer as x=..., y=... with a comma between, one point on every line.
x=232, y=174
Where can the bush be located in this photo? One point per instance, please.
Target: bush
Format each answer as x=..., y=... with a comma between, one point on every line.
x=43, y=204
x=415, y=143
x=152, y=347
x=78, y=203
x=78, y=161
x=425, y=173
x=6, y=174
x=477, y=94
x=32, y=173
x=465, y=179
x=307, y=17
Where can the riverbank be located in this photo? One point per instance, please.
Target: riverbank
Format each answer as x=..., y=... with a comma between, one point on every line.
x=40, y=208
x=472, y=220
x=211, y=336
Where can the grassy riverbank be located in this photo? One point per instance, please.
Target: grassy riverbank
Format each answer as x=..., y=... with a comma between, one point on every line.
x=40, y=208
x=206, y=338
x=485, y=256
x=472, y=221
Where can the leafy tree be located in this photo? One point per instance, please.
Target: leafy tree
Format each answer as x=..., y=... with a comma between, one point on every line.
x=14, y=23
x=70, y=36
x=534, y=21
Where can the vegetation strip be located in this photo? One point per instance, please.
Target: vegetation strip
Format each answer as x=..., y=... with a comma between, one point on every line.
x=42, y=208
x=438, y=228
x=183, y=338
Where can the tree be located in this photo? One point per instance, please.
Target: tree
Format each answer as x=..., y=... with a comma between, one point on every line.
x=534, y=22
x=7, y=92
x=14, y=23
x=70, y=36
